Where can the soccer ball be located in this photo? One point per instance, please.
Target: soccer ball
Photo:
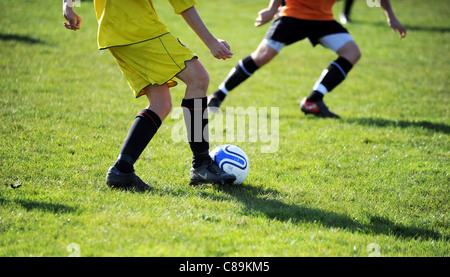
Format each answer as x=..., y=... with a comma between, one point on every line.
x=232, y=160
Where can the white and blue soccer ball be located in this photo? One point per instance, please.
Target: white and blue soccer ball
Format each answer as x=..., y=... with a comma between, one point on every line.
x=232, y=160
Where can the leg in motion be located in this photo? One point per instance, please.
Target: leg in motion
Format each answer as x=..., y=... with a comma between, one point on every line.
x=332, y=76
x=242, y=71
x=145, y=126
x=195, y=111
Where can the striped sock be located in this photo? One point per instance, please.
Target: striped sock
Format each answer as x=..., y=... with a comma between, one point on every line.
x=238, y=74
x=331, y=77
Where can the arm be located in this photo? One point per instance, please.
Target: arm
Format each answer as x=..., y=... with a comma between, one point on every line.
x=218, y=48
x=268, y=13
x=73, y=18
x=392, y=20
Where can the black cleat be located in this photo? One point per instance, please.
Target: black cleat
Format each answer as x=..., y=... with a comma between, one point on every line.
x=210, y=173
x=117, y=179
x=316, y=108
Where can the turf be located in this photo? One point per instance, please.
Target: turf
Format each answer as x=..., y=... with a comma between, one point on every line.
x=375, y=182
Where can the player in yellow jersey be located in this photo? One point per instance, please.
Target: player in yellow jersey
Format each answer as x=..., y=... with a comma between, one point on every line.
x=295, y=21
x=152, y=60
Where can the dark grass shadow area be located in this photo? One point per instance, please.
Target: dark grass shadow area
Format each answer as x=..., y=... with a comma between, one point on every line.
x=40, y=205
x=380, y=122
x=263, y=202
x=20, y=38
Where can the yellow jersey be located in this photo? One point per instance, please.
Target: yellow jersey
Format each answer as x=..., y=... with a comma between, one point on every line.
x=125, y=22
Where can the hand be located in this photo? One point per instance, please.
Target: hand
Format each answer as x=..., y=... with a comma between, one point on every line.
x=264, y=16
x=395, y=25
x=218, y=48
x=74, y=20
x=221, y=50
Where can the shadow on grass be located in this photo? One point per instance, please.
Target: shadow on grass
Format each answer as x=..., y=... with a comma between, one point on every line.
x=41, y=205
x=260, y=201
x=380, y=122
x=20, y=38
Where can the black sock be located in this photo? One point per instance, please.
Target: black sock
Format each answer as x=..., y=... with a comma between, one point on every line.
x=244, y=69
x=141, y=132
x=331, y=77
x=314, y=96
x=219, y=95
x=337, y=72
x=196, y=119
x=347, y=7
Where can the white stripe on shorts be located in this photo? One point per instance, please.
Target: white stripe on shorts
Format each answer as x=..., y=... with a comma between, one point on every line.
x=276, y=45
x=335, y=41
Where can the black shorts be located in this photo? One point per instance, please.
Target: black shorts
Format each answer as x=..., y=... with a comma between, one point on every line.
x=288, y=30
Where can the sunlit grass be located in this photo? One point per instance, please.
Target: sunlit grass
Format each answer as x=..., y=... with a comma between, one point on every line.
x=377, y=176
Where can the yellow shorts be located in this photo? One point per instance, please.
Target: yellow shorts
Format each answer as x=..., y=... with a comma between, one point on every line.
x=153, y=62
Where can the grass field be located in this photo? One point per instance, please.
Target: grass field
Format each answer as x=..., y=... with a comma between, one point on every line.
x=374, y=183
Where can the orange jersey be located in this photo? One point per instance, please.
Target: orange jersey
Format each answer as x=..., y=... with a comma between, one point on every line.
x=309, y=9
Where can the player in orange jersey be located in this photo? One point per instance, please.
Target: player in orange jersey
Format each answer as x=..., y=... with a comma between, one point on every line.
x=295, y=21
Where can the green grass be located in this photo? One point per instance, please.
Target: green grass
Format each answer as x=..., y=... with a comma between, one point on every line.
x=378, y=175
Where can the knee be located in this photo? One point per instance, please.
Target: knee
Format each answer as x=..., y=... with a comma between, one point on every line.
x=160, y=102
x=202, y=80
x=162, y=110
x=166, y=107
x=196, y=79
x=351, y=52
x=199, y=84
x=263, y=57
x=356, y=55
